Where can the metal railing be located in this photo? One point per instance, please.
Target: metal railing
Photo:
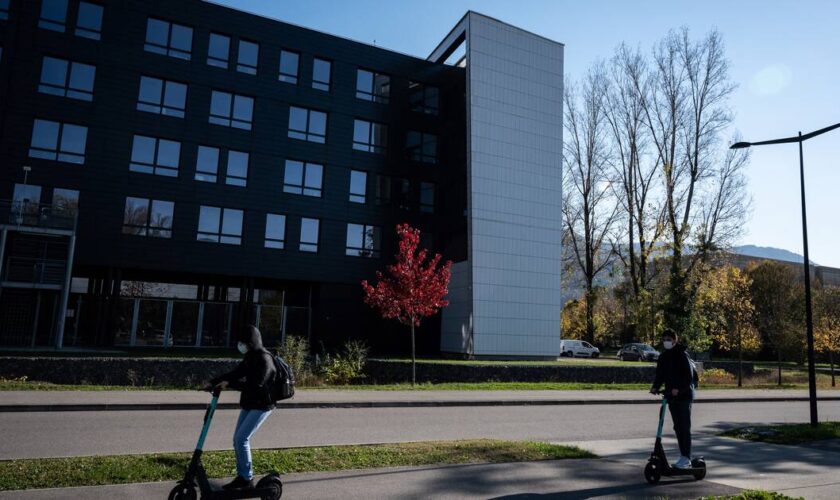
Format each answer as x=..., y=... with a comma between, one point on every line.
x=33, y=270
x=31, y=214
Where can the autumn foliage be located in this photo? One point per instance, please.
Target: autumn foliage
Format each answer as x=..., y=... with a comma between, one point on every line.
x=412, y=288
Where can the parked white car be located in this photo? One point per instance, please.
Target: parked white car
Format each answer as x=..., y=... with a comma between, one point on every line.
x=578, y=348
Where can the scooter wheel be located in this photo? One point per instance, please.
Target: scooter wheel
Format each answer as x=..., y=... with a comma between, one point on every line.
x=272, y=482
x=652, y=473
x=182, y=491
x=701, y=472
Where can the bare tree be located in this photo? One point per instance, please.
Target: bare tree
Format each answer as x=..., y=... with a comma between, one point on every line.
x=636, y=169
x=686, y=112
x=589, y=210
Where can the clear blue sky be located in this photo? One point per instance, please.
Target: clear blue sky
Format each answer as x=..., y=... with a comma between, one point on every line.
x=785, y=58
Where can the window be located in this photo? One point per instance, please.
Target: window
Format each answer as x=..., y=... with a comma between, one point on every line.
x=231, y=110
x=383, y=190
x=169, y=39
x=363, y=241
x=372, y=86
x=220, y=225
x=237, y=169
x=289, y=65
x=65, y=201
x=207, y=164
x=421, y=147
x=427, y=197
x=402, y=194
x=26, y=203
x=89, y=21
x=67, y=79
x=358, y=186
x=218, y=52
x=249, y=54
x=53, y=15
x=162, y=97
x=369, y=136
x=309, y=229
x=4, y=9
x=25, y=195
x=423, y=98
x=307, y=125
x=150, y=155
x=275, y=231
x=303, y=178
x=321, y=74
x=58, y=141
x=144, y=217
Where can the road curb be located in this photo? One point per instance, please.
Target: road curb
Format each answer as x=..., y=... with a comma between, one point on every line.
x=383, y=404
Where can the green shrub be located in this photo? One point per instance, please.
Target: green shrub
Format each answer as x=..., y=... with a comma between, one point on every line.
x=716, y=376
x=347, y=366
x=342, y=368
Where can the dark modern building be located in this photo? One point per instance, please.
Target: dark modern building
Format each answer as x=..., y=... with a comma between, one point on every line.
x=175, y=169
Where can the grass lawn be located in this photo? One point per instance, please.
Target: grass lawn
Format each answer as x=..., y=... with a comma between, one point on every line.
x=754, y=495
x=787, y=433
x=118, y=469
x=602, y=361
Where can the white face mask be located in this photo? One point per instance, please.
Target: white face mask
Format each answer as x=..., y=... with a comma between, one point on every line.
x=667, y=344
x=242, y=347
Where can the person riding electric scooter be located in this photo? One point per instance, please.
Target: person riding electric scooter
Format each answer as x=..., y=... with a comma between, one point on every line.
x=253, y=377
x=676, y=371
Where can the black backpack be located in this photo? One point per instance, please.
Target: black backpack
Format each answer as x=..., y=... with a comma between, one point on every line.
x=284, y=380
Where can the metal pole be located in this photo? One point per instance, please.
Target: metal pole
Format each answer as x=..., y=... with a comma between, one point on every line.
x=809, y=322
x=65, y=293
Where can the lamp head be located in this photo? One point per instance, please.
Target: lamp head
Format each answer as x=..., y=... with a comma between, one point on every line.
x=27, y=168
x=740, y=145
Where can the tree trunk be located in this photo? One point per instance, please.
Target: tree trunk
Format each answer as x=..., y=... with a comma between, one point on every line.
x=780, y=368
x=590, y=315
x=413, y=357
x=740, y=361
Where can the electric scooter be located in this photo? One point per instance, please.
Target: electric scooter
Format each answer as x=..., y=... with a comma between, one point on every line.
x=658, y=466
x=268, y=488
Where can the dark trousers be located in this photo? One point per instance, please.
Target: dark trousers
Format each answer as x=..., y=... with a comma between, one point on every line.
x=681, y=415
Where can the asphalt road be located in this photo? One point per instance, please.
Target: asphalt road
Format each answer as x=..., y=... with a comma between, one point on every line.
x=55, y=434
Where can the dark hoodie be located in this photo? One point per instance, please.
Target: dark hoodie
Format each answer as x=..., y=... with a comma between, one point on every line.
x=254, y=374
x=674, y=370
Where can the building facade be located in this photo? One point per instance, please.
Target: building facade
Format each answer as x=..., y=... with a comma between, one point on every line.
x=214, y=168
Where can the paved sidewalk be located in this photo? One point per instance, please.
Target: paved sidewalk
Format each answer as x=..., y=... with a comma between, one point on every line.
x=572, y=479
x=151, y=400
x=798, y=471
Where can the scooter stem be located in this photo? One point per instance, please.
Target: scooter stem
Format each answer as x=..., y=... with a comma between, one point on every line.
x=661, y=418
x=208, y=417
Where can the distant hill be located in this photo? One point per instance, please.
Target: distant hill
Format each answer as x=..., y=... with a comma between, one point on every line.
x=769, y=253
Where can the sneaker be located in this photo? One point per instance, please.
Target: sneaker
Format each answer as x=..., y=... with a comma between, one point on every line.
x=239, y=483
x=683, y=463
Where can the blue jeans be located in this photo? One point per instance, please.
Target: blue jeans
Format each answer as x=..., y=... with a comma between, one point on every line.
x=248, y=423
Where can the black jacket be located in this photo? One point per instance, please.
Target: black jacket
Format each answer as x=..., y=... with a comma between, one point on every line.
x=254, y=374
x=675, y=371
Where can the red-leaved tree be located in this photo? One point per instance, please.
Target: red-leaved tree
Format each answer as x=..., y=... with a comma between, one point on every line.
x=414, y=287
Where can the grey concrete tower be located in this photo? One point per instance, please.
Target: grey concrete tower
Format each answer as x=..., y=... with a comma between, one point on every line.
x=505, y=298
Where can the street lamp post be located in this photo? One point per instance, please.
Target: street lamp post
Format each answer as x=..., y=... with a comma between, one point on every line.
x=809, y=320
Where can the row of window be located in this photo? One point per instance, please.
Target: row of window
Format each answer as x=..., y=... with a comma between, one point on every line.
x=76, y=80
x=153, y=218
x=151, y=155
x=175, y=40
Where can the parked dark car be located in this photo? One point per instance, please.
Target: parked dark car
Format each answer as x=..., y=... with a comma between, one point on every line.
x=638, y=352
